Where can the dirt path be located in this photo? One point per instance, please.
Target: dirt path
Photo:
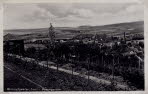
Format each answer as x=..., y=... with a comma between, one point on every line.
x=95, y=79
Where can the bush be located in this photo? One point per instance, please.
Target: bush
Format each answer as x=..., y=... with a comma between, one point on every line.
x=136, y=77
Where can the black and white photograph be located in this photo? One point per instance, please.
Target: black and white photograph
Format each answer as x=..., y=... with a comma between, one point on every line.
x=73, y=46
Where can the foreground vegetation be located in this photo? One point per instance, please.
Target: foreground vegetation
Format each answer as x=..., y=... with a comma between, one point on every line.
x=53, y=80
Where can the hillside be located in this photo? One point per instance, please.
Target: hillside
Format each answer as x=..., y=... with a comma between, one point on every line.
x=69, y=32
x=117, y=29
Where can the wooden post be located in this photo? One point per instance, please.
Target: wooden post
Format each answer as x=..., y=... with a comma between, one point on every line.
x=47, y=63
x=139, y=64
x=73, y=61
x=102, y=62
x=57, y=66
x=113, y=70
x=47, y=58
x=118, y=62
x=88, y=62
x=72, y=71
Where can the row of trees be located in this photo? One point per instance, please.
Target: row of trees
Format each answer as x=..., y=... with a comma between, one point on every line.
x=82, y=51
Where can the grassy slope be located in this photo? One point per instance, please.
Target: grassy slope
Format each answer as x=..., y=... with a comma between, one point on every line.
x=14, y=82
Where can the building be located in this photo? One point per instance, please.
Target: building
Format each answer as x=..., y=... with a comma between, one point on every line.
x=14, y=46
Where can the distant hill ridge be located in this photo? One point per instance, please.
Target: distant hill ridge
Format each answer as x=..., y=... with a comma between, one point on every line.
x=69, y=32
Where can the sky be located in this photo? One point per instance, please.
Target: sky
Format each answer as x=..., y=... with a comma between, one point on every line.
x=40, y=15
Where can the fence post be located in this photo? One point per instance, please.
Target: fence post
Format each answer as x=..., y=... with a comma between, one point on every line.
x=47, y=59
x=58, y=65
x=88, y=62
x=102, y=61
x=113, y=71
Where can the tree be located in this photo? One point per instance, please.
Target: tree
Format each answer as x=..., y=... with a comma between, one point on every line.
x=141, y=44
x=31, y=52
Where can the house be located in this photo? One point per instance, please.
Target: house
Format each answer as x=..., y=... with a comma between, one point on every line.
x=14, y=46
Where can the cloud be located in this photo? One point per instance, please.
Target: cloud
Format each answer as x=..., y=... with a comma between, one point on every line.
x=83, y=10
x=134, y=8
x=132, y=12
x=69, y=14
x=59, y=10
x=84, y=13
x=38, y=14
